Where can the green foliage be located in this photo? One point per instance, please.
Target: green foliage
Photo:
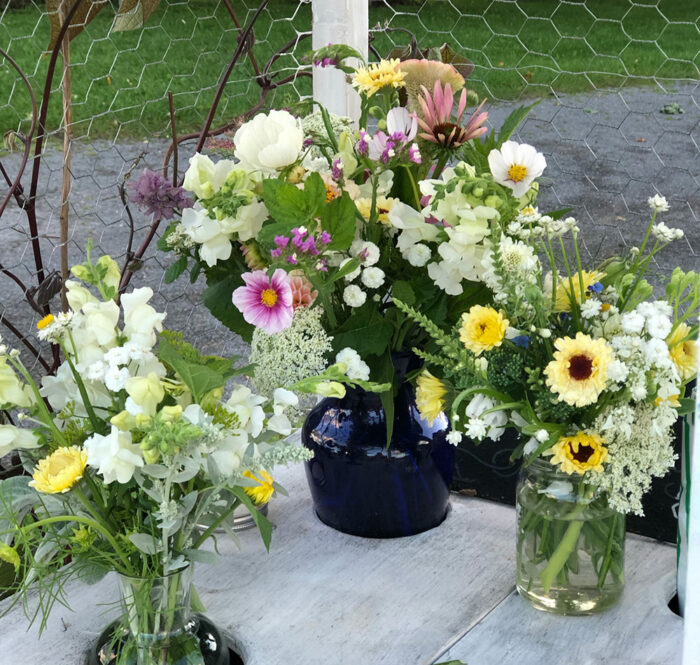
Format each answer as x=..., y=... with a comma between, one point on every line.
x=338, y=218
x=505, y=370
x=176, y=269
x=366, y=331
x=217, y=299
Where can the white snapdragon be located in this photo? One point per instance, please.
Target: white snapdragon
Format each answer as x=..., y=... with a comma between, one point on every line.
x=246, y=405
x=12, y=391
x=373, y=277
x=204, y=177
x=282, y=400
x=114, y=456
x=657, y=203
x=141, y=321
x=212, y=238
x=15, y=438
x=354, y=296
x=228, y=454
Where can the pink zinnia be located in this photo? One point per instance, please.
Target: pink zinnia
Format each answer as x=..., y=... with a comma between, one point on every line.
x=437, y=124
x=265, y=302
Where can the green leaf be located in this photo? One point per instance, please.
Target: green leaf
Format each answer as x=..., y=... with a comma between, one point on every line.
x=384, y=373
x=366, y=331
x=269, y=230
x=403, y=292
x=285, y=202
x=404, y=186
x=338, y=218
x=351, y=265
x=511, y=123
x=200, y=379
x=217, y=299
x=176, y=269
x=264, y=525
x=314, y=193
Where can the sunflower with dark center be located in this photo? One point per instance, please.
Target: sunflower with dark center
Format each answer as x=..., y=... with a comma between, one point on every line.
x=579, y=371
x=580, y=453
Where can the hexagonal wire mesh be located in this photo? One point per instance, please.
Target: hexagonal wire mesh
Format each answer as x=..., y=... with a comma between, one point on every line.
x=618, y=119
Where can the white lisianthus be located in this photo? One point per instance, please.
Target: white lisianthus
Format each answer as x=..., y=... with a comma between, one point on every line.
x=12, y=391
x=246, y=405
x=658, y=203
x=204, y=177
x=373, y=277
x=14, y=438
x=114, y=456
x=140, y=319
x=516, y=165
x=269, y=142
x=418, y=255
x=354, y=296
x=146, y=393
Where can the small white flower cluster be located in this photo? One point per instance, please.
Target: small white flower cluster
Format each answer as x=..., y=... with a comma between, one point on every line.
x=639, y=441
x=665, y=233
x=658, y=203
x=367, y=254
x=481, y=425
x=178, y=239
x=520, y=264
x=315, y=129
x=531, y=224
x=296, y=353
x=355, y=367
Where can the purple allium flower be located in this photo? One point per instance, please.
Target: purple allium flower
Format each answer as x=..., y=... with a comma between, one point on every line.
x=154, y=195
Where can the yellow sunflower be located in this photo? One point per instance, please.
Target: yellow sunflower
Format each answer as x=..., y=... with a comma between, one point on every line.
x=377, y=76
x=59, y=471
x=580, y=453
x=564, y=294
x=483, y=328
x=263, y=492
x=579, y=370
x=429, y=396
x=684, y=351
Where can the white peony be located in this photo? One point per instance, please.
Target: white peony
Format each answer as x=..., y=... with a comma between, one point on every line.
x=204, y=177
x=13, y=438
x=269, y=142
x=114, y=456
x=140, y=319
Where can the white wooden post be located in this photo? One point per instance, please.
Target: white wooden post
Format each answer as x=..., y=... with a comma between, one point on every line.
x=691, y=617
x=339, y=22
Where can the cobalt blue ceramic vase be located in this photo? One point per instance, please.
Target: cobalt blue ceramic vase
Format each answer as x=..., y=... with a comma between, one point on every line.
x=361, y=487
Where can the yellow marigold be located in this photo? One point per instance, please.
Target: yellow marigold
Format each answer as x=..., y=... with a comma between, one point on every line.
x=483, y=328
x=377, y=76
x=384, y=206
x=59, y=471
x=263, y=492
x=579, y=370
x=580, y=453
x=564, y=294
x=429, y=396
x=684, y=351
x=45, y=322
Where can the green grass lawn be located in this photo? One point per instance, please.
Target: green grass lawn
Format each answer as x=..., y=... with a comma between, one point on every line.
x=524, y=48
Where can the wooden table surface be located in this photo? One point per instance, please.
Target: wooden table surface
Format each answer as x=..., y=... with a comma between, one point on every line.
x=321, y=597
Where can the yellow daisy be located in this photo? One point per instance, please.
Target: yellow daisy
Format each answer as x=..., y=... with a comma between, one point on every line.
x=263, y=492
x=564, y=295
x=377, y=76
x=483, y=328
x=429, y=396
x=579, y=370
x=684, y=351
x=59, y=471
x=580, y=453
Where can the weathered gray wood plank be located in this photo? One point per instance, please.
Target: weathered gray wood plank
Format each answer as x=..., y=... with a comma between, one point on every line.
x=640, y=630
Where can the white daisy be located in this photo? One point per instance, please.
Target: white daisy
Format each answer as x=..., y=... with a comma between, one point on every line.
x=516, y=165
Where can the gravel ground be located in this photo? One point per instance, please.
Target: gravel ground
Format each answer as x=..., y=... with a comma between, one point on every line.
x=606, y=152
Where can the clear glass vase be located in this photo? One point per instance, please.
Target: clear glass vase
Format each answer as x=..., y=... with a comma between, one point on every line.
x=571, y=543
x=158, y=625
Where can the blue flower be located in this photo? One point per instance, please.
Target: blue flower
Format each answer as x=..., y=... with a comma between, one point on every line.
x=522, y=341
x=596, y=288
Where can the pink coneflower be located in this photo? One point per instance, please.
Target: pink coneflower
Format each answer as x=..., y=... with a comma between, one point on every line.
x=437, y=120
x=265, y=302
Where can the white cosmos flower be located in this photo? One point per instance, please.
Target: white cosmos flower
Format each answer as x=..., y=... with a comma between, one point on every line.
x=140, y=319
x=114, y=456
x=269, y=142
x=204, y=177
x=516, y=165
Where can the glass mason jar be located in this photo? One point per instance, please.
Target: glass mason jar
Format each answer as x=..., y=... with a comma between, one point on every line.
x=160, y=626
x=571, y=543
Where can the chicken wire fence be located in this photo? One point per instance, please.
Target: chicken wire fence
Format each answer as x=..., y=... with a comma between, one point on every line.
x=617, y=122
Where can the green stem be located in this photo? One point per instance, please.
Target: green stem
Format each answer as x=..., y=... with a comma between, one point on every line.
x=561, y=554
x=605, y=567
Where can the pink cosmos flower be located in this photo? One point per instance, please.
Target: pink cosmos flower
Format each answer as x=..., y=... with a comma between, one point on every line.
x=265, y=302
x=437, y=124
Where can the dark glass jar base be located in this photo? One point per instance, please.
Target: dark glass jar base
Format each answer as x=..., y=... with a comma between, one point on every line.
x=215, y=647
